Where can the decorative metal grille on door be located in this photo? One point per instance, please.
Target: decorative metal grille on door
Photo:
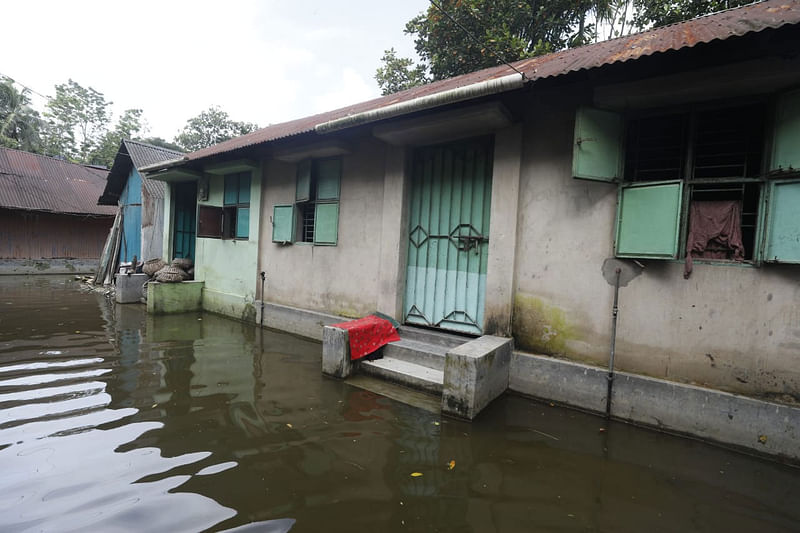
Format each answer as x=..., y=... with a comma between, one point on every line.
x=448, y=240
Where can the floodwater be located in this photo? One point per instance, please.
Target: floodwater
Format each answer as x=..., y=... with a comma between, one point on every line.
x=111, y=420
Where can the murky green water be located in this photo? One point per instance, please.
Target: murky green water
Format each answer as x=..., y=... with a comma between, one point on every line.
x=113, y=421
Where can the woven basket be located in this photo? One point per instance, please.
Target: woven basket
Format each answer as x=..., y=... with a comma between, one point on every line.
x=184, y=263
x=152, y=266
x=170, y=274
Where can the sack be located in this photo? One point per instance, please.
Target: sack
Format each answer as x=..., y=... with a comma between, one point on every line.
x=170, y=274
x=151, y=266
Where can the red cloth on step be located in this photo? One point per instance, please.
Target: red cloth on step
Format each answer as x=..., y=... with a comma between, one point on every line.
x=368, y=334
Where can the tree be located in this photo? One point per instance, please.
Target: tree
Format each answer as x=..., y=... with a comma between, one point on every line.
x=161, y=143
x=128, y=125
x=398, y=73
x=660, y=13
x=77, y=119
x=210, y=127
x=19, y=122
x=468, y=35
x=454, y=37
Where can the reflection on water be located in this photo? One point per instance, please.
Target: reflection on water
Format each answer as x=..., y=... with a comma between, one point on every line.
x=114, y=420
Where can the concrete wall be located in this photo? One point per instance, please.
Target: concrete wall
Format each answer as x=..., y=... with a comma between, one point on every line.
x=229, y=266
x=169, y=298
x=341, y=279
x=733, y=327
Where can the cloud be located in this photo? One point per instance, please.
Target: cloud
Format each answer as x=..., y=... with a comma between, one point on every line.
x=348, y=88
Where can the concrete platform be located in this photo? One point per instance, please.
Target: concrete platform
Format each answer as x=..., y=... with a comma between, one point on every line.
x=411, y=375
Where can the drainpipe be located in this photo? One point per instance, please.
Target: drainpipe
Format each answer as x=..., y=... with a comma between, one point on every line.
x=468, y=92
x=614, y=313
x=263, y=279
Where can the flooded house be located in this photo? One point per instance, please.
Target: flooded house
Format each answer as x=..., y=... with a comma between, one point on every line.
x=49, y=220
x=141, y=201
x=512, y=200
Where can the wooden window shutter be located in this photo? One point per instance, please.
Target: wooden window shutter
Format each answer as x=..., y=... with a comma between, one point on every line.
x=231, y=190
x=785, y=152
x=648, y=220
x=283, y=223
x=244, y=188
x=326, y=223
x=209, y=221
x=329, y=172
x=597, y=149
x=783, y=222
x=303, y=186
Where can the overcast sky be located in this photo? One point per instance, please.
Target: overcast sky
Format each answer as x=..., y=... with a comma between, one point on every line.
x=261, y=61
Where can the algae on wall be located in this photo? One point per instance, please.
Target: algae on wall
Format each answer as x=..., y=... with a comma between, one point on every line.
x=539, y=327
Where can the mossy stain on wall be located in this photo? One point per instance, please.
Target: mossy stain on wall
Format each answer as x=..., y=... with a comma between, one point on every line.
x=539, y=327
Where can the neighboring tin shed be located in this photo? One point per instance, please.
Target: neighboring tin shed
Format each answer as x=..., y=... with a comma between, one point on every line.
x=49, y=222
x=140, y=199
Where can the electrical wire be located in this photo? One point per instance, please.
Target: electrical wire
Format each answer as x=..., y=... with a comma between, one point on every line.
x=37, y=93
x=476, y=40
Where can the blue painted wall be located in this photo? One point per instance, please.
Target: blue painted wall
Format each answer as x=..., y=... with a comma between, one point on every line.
x=131, y=199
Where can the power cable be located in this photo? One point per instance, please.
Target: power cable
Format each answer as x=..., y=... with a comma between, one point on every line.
x=25, y=86
x=476, y=40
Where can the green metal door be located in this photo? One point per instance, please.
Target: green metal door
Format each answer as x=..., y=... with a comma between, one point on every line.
x=448, y=244
x=183, y=236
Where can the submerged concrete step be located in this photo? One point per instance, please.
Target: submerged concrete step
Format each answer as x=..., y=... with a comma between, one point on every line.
x=421, y=353
x=428, y=336
x=405, y=373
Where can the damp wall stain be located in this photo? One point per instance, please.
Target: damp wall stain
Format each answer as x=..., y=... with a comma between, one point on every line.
x=540, y=327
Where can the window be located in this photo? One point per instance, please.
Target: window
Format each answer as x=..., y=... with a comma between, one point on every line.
x=314, y=216
x=232, y=220
x=699, y=183
x=236, y=206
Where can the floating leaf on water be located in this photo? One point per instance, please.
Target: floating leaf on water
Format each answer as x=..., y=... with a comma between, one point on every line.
x=451, y=465
x=416, y=474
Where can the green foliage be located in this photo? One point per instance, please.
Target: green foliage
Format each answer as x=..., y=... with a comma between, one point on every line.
x=20, y=124
x=398, y=73
x=77, y=119
x=128, y=125
x=469, y=35
x=210, y=127
x=503, y=30
x=660, y=13
x=162, y=143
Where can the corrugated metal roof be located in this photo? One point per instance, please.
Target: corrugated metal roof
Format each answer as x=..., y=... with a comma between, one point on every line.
x=719, y=26
x=138, y=154
x=40, y=183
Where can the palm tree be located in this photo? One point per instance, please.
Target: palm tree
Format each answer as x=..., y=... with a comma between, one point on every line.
x=19, y=122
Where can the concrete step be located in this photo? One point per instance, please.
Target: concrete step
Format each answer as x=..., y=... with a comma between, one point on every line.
x=420, y=353
x=429, y=336
x=405, y=373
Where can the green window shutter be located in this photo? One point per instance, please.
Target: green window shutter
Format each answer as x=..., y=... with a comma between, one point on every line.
x=597, y=150
x=231, y=189
x=783, y=222
x=329, y=172
x=283, y=223
x=244, y=188
x=786, y=142
x=242, y=222
x=326, y=222
x=648, y=220
x=303, y=190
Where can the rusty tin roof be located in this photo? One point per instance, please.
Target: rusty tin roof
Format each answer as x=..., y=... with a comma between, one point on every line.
x=718, y=26
x=39, y=183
